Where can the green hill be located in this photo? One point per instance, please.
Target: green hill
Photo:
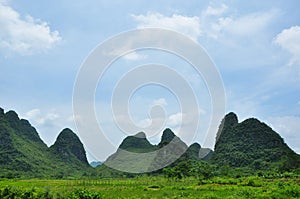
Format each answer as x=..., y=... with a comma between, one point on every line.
x=24, y=154
x=136, y=154
x=137, y=143
x=171, y=148
x=249, y=144
x=133, y=155
x=195, y=152
x=253, y=144
x=68, y=147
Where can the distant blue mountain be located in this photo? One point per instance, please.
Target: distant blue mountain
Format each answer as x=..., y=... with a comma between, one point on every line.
x=95, y=164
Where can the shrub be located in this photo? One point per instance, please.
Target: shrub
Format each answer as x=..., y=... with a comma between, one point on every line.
x=85, y=194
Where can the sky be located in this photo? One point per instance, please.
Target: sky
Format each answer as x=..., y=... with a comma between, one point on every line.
x=255, y=46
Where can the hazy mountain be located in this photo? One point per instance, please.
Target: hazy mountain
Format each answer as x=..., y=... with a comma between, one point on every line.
x=130, y=155
x=137, y=143
x=95, y=163
x=171, y=148
x=205, y=154
x=136, y=153
x=195, y=152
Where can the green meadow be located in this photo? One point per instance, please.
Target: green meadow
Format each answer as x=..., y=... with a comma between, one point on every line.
x=154, y=187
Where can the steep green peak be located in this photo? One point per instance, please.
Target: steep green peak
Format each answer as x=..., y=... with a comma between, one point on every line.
x=251, y=143
x=140, y=135
x=227, y=123
x=136, y=143
x=25, y=122
x=195, y=147
x=167, y=136
x=65, y=133
x=21, y=127
x=68, y=144
x=231, y=119
x=12, y=116
x=263, y=132
x=67, y=138
x=190, y=153
x=253, y=121
x=1, y=111
x=193, y=151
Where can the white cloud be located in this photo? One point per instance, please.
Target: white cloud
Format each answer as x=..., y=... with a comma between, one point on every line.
x=73, y=118
x=24, y=35
x=217, y=21
x=189, y=26
x=288, y=127
x=249, y=24
x=37, y=118
x=175, y=120
x=52, y=116
x=160, y=102
x=289, y=40
x=288, y=73
x=145, y=123
x=34, y=113
x=245, y=107
x=4, y=1
x=212, y=22
x=215, y=11
x=134, y=56
x=49, y=122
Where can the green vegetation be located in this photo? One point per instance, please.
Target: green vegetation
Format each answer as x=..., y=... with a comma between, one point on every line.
x=153, y=187
x=24, y=155
x=137, y=143
x=250, y=161
x=69, y=147
x=252, y=144
x=170, y=148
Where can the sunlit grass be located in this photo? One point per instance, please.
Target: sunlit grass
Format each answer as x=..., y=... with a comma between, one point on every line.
x=153, y=187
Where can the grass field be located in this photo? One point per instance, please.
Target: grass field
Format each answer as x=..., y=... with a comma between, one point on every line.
x=153, y=187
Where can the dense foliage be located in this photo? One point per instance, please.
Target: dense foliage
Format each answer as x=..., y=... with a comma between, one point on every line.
x=252, y=144
x=69, y=147
x=24, y=155
x=241, y=149
x=137, y=143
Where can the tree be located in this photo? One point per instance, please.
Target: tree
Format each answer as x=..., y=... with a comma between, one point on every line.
x=202, y=170
x=181, y=170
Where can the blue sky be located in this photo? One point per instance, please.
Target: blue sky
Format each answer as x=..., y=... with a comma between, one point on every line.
x=255, y=45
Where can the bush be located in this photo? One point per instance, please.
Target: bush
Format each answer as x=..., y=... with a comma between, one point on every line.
x=85, y=194
x=154, y=187
x=292, y=191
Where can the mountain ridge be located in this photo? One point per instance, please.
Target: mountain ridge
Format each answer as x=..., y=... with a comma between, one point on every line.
x=250, y=143
x=137, y=153
x=24, y=154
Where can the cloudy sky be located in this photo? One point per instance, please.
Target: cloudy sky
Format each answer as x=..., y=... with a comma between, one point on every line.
x=255, y=45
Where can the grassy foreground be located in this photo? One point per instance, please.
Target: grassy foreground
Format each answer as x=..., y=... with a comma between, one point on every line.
x=153, y=187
